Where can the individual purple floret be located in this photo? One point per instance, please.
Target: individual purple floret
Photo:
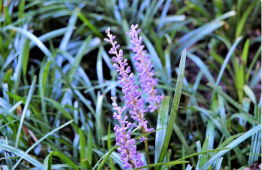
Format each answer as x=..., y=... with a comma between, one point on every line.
x=145, y=69
x=127, y=147
x=130, y=90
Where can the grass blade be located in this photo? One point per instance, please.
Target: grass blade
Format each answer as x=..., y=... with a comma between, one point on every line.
x=174, y=109
x=184, y=142
x=20, y=153
x=65, y=159
x=217, y=165
x=40, y=140
x=99, y=125
x=82, y=148
x=161, y=122
x=229, y=54
x=32, y=88
x=201, y=66
x=231, y=146
x=242, y=22
x=162, y=163
x=90, y=25
x=48, y=161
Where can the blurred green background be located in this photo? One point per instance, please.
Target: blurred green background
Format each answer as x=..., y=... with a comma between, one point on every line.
x=54, y=67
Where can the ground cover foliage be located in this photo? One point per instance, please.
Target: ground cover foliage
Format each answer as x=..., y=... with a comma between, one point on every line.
x=57, y=80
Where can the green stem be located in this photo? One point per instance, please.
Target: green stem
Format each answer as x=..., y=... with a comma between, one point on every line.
x=147, y=151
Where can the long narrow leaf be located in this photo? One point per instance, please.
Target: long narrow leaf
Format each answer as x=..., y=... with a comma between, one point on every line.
x=32, y=88
x=231, y=146
x=174, y=109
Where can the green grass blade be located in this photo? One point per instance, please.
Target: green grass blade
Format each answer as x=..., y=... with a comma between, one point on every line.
x=227, y=97
x=90, y=25
x=161, y=122
x=253, y=63
x=90, y=146
x=104, y=158
x=109, y=146
x=43, y=75
x=82, y=148
x=25, y=52
x=174, y=108
x=162, y=163
x=202, y=152
x=243, y=20
x=65, y=159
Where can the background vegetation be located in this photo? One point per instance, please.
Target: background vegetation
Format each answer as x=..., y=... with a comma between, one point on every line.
x=56, y=81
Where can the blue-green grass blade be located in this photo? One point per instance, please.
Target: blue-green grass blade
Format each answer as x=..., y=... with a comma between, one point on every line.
x=31, y=91
x=40, y=140
x=163, y=15
x=230, y=146
x=189, y=167
x=78, y=58
x=99, y=68
x=161, y=122
x=21, y=153
x=223, y=67
x=218, y=164
x=33, y=38
x=227, y=141
x=201, y=66
x=99, y=125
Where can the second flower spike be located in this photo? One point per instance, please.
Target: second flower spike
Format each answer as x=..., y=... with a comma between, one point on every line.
x=145, y=69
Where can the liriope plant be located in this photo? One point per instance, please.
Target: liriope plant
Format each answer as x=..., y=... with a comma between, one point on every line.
x=132, y=95
x=134, y=102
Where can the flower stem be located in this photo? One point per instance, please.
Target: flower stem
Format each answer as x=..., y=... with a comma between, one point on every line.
x=147, y=151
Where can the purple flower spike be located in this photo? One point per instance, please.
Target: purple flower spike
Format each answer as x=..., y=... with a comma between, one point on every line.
x=127, y=148
x=127, y=81
x=145, y=69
